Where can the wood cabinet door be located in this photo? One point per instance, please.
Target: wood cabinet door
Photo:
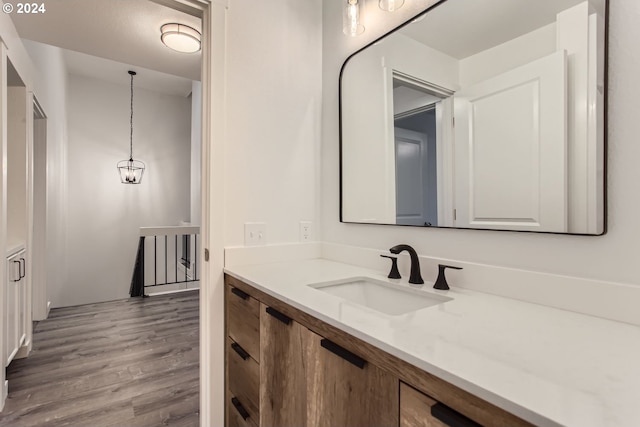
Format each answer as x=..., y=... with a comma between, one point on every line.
x=343, y=389
x=283, y=342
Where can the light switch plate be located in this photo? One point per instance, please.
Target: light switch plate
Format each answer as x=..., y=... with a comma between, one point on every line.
x=306, y=231
x=255, y=233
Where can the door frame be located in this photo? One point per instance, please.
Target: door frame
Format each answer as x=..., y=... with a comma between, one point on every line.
x=444, y=137
x=38, y=195
x=211, y=259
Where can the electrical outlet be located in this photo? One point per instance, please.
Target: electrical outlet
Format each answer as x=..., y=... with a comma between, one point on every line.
x=306, y=231
x=255, y=233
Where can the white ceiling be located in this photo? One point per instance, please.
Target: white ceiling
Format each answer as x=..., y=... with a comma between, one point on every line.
x=461, y=28
x=126, y=31
x=117, y=72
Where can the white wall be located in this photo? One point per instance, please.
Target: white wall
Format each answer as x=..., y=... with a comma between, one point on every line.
x=51, y=92
x=506, y=56
x=196, y=150
x=274, y=78
x=610, y=257
x=17, y=196
x=103, y=215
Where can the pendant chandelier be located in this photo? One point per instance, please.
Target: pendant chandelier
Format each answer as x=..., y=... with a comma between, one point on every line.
x=131, y=171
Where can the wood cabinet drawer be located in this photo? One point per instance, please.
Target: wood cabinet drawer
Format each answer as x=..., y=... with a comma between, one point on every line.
x=235, y=414
x=243, y=320
x=243, y=378
x=415, y=409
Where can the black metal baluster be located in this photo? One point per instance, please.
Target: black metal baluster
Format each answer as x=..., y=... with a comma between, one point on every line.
x=176, y=257
x=186, y=263
x=155, y=260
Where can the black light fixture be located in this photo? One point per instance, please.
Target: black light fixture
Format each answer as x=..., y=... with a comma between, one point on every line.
x=131, y=171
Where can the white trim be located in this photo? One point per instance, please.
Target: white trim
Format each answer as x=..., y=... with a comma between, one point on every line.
x=173, y=291
x=28, y=303
x=169, y=230
x=421, y=85
x=3, y=207
x=212, y=195
x=38, y=253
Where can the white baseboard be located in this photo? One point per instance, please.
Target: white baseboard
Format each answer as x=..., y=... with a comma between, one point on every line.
x=174, y=287
x=23, y=351
x=5, y=393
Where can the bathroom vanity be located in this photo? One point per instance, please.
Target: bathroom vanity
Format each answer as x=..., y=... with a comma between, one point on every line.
x=299, y=356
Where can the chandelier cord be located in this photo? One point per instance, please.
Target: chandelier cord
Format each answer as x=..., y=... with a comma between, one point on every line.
x=131, y=123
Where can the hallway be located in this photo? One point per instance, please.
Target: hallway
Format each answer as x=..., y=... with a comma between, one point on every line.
x=120, y=363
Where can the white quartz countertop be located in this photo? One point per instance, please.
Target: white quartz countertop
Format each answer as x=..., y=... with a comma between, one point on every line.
x=548, y=366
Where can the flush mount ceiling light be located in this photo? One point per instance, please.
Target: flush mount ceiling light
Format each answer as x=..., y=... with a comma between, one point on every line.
x=390, y=5
x=351, y=25
x=181, y=38
x=131, y=171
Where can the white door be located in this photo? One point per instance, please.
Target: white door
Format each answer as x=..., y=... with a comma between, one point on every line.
x=416, y=179
x=510, y=149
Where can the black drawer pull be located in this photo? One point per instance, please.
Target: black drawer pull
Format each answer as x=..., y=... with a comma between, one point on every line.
x=243, y=412
x=281, y=317
x=236, y=347
x=23, y=264
x=19, y=271
x=451, y=417
x=239, y=293
x=344, y=353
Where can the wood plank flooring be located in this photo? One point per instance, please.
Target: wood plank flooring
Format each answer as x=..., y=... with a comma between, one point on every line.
x=129, y=363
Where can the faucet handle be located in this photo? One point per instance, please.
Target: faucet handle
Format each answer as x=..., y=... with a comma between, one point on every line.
x=394, y=273
x=441, y=281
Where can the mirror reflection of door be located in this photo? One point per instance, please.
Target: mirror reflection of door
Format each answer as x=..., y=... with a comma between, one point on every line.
x=416, y=170
x=416, y=143
x=510, y=150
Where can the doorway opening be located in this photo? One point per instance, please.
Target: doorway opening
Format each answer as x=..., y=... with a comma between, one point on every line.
x=418, y=111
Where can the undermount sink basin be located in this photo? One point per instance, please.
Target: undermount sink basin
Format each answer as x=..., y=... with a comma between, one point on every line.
x=381, y=296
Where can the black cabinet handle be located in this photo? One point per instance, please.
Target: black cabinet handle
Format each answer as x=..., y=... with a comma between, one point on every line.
x=451, y=417
x=239, y=293
x=281, y=317
x=23, y=265
x=19, y=271
x=344, y=353
x=236, y=347
x=243, y=412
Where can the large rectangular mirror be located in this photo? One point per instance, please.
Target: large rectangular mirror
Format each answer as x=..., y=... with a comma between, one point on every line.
x=484, y=114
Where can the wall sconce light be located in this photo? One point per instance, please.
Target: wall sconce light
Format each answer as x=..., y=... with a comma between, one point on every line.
x=131, y=171
x=181, y=38
x=351, y=25
x=390, y=5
